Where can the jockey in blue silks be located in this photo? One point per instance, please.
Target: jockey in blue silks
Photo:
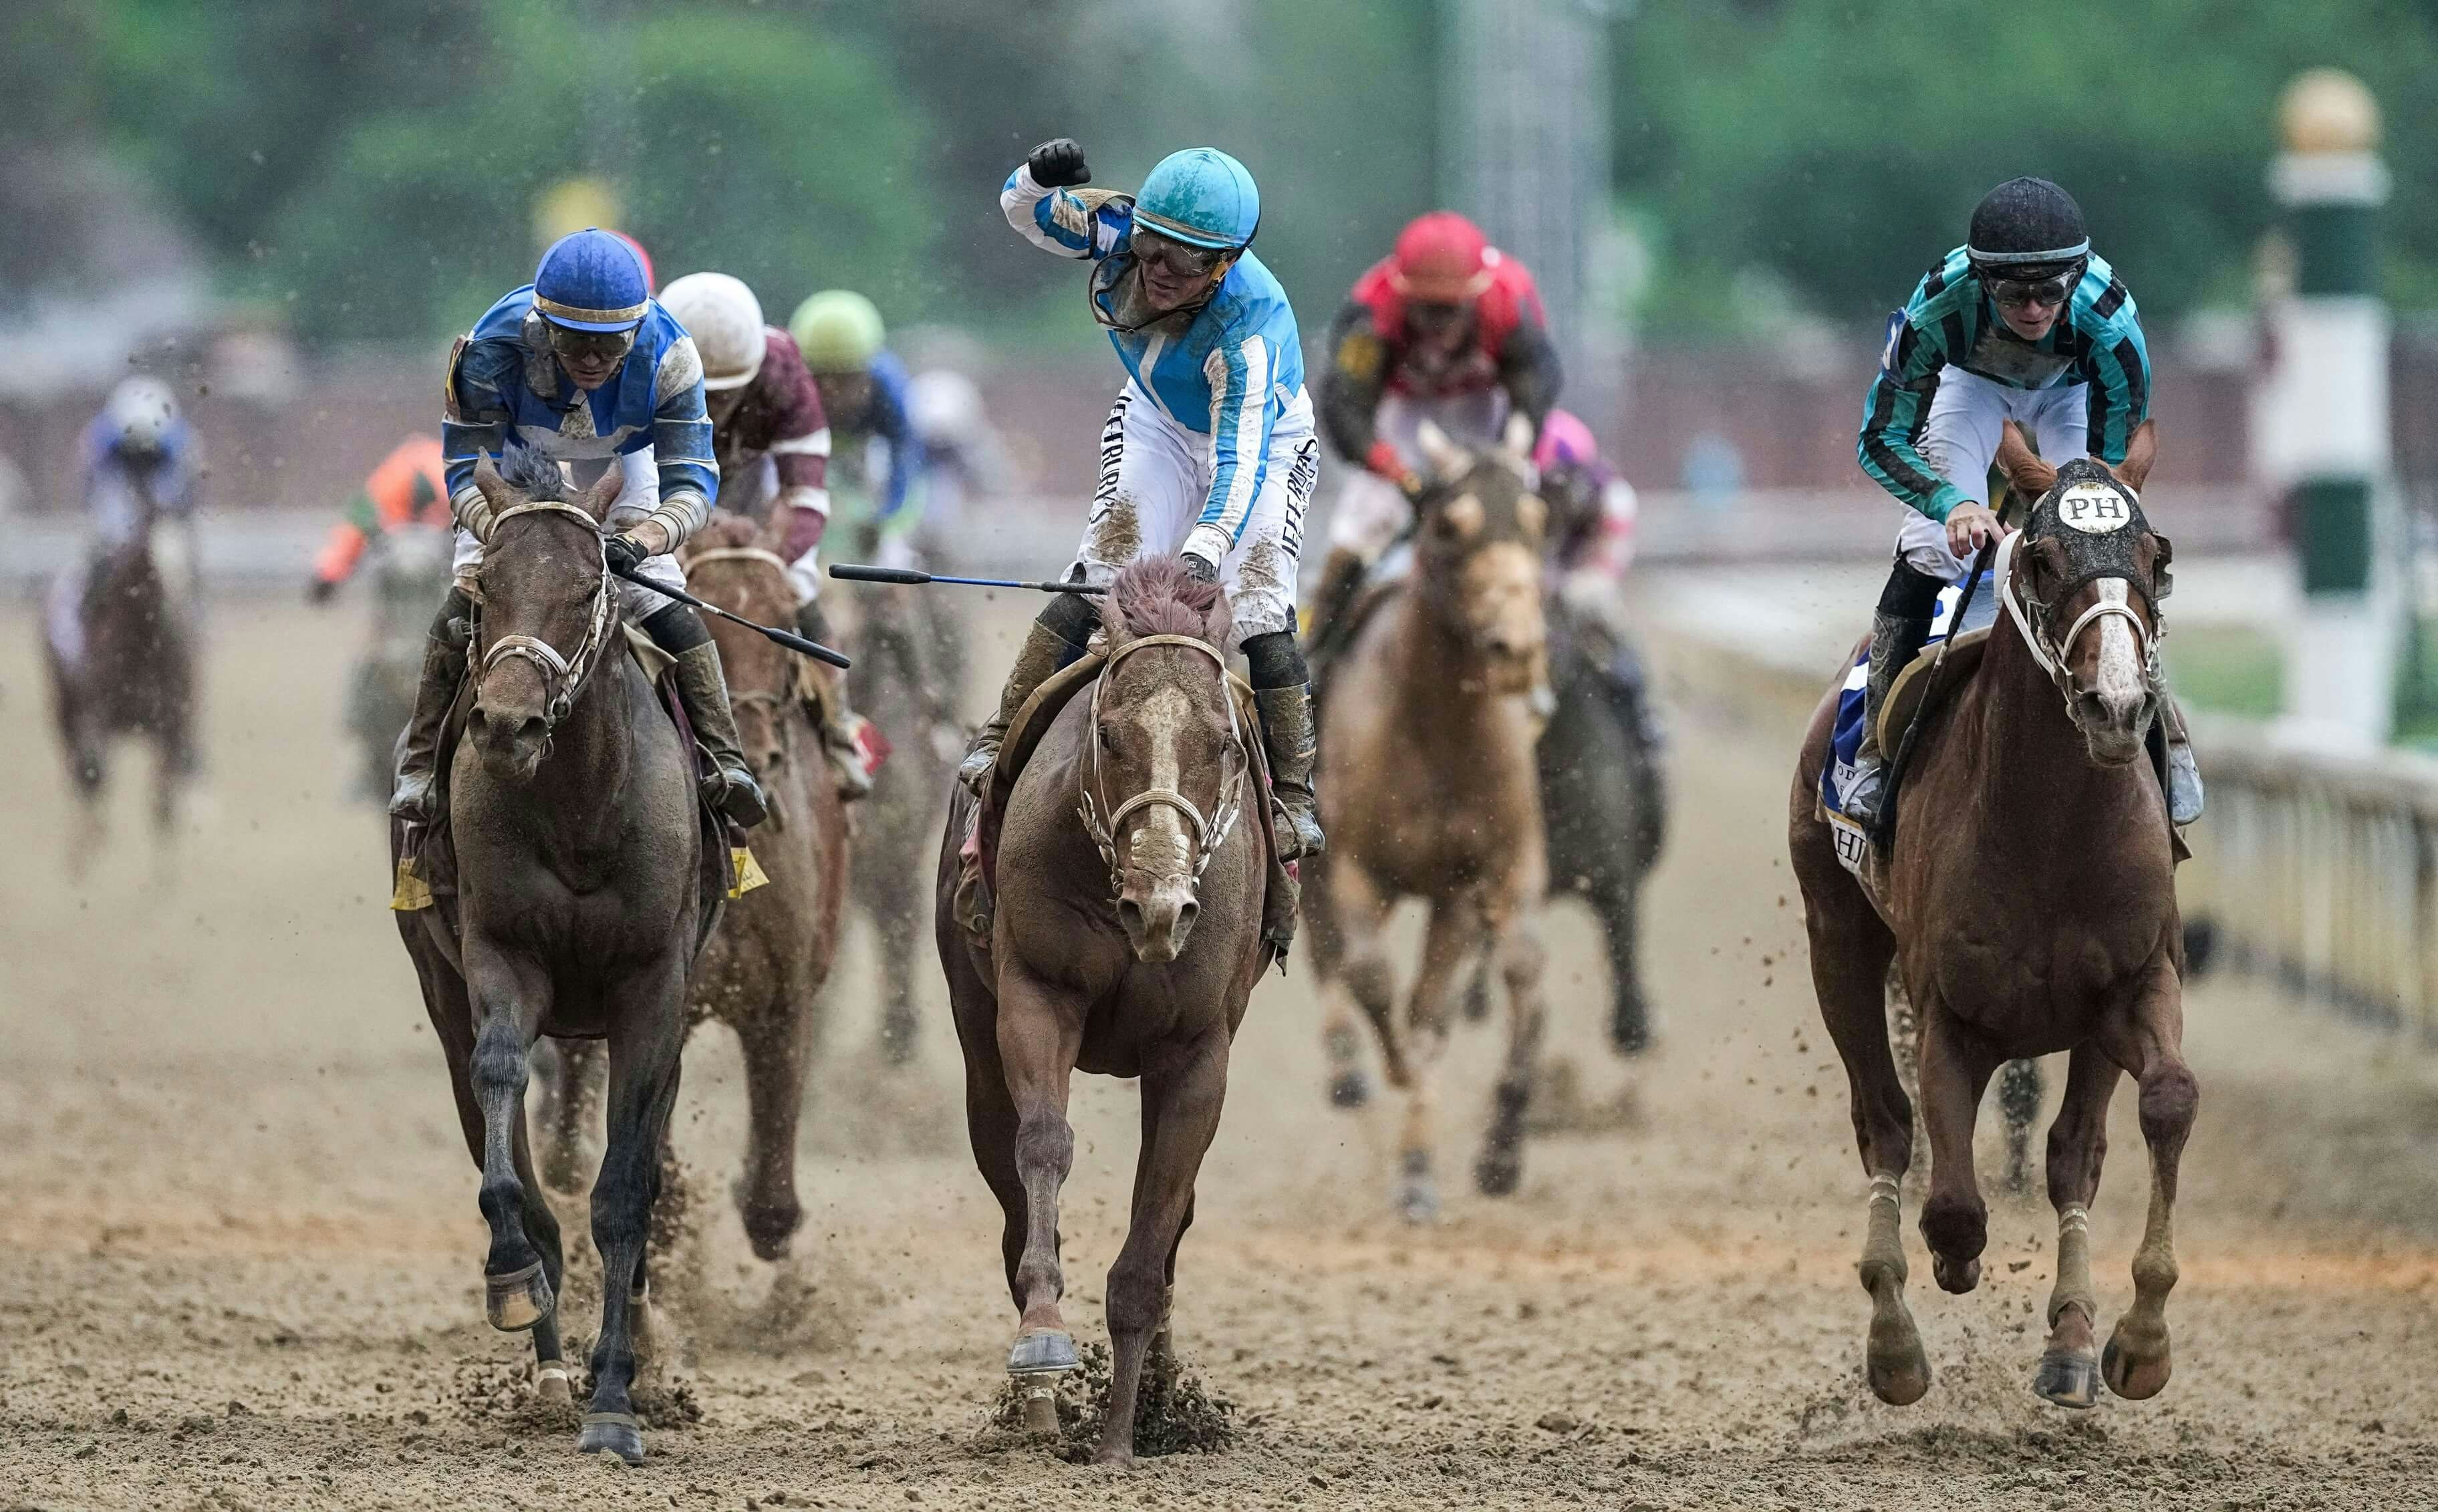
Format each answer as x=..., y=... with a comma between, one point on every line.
x=583, y=367
x=1208, y=452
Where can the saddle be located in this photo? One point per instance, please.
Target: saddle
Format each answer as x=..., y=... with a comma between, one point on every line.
x=425, y=856
x=975, y=903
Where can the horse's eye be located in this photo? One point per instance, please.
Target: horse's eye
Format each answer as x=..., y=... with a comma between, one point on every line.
x=1108, y=734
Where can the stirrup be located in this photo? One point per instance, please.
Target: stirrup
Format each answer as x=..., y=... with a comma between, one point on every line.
x=1868, y=791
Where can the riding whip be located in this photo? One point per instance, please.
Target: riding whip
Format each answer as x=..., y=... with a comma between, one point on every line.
x=792, y=642
x=854, y=573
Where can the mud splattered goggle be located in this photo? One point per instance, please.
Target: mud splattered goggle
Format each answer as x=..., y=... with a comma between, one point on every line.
x=2026, y=293
x=1179, y=258
x=590, y=346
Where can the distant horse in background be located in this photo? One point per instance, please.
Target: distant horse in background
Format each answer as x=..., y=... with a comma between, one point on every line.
x=1431, y=790
x=119, y=641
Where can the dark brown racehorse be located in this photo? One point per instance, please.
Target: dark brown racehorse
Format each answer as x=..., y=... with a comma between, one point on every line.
x=572, y=802
x=2029, y=901
x=1126, y=942
x=762, y=972
x=122, y=663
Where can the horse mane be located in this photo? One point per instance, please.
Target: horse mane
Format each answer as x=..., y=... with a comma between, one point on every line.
x=1156, y=595
x=532, y=474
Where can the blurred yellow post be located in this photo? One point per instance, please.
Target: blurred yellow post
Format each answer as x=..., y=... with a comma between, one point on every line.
x=572, y=204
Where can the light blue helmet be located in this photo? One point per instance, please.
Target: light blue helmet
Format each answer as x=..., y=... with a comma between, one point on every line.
x=1201, y=195
x=590, y=280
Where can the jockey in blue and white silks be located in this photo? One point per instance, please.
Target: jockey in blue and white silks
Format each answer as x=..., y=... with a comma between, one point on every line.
x=140, y=462
x=1210, y=451
x=582, y=367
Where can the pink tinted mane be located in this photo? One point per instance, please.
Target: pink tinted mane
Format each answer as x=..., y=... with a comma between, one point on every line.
x=1156, y=595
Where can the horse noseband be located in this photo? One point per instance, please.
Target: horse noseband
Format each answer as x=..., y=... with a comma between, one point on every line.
x=562, y=674
x=1209, y=831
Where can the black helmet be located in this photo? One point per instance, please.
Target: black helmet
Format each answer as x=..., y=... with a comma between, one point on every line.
x=2026, y=230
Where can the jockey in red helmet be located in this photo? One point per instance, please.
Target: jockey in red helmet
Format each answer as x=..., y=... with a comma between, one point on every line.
x=1445, y=329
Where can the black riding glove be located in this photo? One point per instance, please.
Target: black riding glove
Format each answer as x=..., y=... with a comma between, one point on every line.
x=1058, y=164
x=624, y=554
x=1200, y=569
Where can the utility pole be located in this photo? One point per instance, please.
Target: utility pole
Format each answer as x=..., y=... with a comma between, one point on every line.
x=1524, y=149
x=2333, y=449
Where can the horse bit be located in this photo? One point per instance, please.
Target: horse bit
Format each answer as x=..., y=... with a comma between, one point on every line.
x=1208, y=833
x=569, y=671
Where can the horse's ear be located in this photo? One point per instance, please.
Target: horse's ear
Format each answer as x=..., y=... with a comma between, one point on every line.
x=1220, y=623
x=1515, y=445
x=2163, y=582
x=2141, y=452
x=1448, y=461
x=494, y=488
x=604, y=491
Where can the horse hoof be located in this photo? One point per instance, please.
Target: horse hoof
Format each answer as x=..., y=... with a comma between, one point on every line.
x=516, y=1301
x=1349, y=1089
x=1628, y=1027
x=615, y=1431
x=550, y=1382
x=1117, y=1457
x=2135, y=1380
x=2067, y=1380
x=1898, y=1371
x=1958, y=1277
x=1038, y=1390
x=1498, y=1174
x=1901, y=1382
x=1050, y=1350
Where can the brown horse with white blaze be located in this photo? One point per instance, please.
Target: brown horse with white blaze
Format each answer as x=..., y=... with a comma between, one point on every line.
x=1427, y=737
x=2029, y=901
x=1127, y=940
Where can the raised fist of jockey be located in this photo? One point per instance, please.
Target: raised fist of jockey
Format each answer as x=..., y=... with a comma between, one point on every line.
x=1058, y=164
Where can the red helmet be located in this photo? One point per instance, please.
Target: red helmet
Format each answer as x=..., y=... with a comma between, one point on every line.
x=641, y=256
x=1441, y=258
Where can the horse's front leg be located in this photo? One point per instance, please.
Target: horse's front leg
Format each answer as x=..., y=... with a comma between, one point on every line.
x=1039, y=1036
x=1451, y=942
x=571, y=1089
x=2069, y=1369
x=1956, y=1069
x=511, y=995
x=648, y=1028
x=1182, y=1097
x=1522, y=960
x=2151, y=1046
x=775, y=1041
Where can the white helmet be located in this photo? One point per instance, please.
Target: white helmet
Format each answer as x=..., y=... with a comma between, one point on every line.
x=945, y=406
x=141, y=411
x=725, y=321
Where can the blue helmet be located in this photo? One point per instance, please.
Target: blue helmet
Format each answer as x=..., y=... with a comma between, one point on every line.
x=589, y=280
x=1202, y=196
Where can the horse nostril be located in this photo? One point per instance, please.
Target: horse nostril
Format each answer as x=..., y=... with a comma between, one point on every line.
x=1185, y=912
x=1130, y=914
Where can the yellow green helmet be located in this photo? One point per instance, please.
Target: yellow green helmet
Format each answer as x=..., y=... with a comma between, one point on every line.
x=837, y=330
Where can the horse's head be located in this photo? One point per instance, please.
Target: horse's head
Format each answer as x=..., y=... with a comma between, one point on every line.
x=737, y=565
x=548, y=607
x=2082, y=582
x=1165, y=758
x=1477, y=546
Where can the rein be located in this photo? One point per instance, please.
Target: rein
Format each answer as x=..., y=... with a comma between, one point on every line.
x=1208, y=833
x=569, y=671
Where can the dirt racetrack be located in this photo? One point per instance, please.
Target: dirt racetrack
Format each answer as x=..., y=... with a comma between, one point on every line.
x=241, y=1249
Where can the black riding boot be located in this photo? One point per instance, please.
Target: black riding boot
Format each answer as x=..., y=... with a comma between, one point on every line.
x=1290, y=736
x=419, y=753
x=1054, y=640
x=847, y=738
x=704, y=691
x=1895, y=641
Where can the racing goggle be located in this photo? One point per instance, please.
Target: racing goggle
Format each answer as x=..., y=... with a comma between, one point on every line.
x=590, y=346
x=2026, y=287
x=1180, y=259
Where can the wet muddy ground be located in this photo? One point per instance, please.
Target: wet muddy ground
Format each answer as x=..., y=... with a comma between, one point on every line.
x=240, y=1253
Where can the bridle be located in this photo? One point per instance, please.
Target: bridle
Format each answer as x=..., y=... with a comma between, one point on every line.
x=567, y=672
x=2053, y=652
x=764, y=698
x=1209, y=831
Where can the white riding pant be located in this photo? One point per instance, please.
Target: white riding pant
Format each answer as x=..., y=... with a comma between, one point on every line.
x=1154, y=479
x=1371, y=511
x=639, y=497
x=1960, y=441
